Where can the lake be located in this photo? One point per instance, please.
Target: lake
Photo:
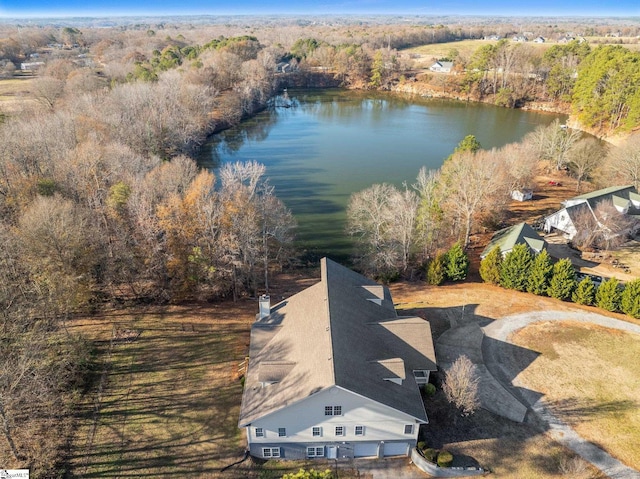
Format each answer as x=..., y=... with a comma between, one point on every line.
x=320, y=146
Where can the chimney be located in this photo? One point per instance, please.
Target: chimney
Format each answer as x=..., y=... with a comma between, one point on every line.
x=265, y=306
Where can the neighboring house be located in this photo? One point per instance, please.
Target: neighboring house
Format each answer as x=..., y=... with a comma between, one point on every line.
x=25, y=66
x=334, y=372
x=519, y=38
x=522, y=195
x=521, y=233
x=625, y=199
x=441, y=67
x=539, y=40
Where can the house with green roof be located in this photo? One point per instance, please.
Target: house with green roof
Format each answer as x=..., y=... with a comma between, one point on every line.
x=625, y=199
x=521, y=233
x=334, y=372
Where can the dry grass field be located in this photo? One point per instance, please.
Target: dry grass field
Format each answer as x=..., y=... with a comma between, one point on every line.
x=595, y=385
x=14, y=92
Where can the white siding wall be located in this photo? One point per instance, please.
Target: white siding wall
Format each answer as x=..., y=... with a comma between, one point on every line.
x=381, y=423
x=560, y=221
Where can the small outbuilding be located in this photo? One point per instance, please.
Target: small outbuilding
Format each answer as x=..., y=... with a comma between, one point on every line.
x=522, y=195
x=507, y=238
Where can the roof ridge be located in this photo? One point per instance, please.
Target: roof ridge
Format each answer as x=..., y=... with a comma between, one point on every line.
x=325, y=280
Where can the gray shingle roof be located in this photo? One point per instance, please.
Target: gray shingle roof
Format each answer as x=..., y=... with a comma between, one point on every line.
x=342, y=331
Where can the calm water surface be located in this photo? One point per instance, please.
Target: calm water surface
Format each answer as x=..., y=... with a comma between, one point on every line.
x=332, y=143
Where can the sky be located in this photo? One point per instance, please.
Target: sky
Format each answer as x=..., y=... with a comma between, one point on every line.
x=589, y=8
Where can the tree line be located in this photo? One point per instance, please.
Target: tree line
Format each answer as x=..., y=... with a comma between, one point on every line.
x=521, y=270
x=102, y=203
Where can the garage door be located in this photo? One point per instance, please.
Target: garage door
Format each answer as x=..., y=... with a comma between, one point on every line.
x=396, y=448
x=365, y=449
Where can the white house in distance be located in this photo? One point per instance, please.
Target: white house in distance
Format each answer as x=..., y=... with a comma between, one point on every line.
x=334, y=372
x=441, y=67
x=625, y=199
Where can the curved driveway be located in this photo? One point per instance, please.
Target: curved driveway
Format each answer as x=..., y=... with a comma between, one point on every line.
x=503, y=365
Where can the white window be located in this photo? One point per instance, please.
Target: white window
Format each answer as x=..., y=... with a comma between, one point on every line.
x=282, y=432
x=422, y=376
x=315, y=451
x=333, y=410
x=339, y=430
x=408, y=428
x=270, y=452
x=359, y=431
x=259, y=432
x=316, y=431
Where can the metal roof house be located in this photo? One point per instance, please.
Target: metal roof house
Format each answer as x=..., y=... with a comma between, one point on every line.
x=507, y=238
x=624, y=198
x=334, y=372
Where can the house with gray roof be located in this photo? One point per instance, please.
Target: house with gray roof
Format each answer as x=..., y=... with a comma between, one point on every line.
x=441, y=67
x=334, y=372
x=624, y=198
x=521, y=233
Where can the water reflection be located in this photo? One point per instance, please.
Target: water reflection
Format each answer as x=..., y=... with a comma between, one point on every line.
x=326, y=144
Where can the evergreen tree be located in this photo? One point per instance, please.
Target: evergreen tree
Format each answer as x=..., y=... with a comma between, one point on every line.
x=608, y=295
x=541, y=270
x=630, y=299
x=515, y=268
x=563, y=281
x=490, y=266
x=456, y=263
x=435, y=270
x=585, y=292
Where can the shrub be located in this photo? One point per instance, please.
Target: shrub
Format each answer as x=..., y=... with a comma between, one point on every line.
x=514, y=270
x=435, y=270
x=490, y=266
x=430, y=455
x=585, y=293
x=456, y=263
x=445, y=458
x=630, y=299
x=563, y=281
x=608, y=295
x=429, y=389
x=541, y=270
x=421, y=446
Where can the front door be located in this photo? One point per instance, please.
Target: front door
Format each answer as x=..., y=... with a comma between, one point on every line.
x=332, y=452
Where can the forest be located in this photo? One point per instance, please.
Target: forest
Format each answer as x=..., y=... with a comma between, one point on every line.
x=102, y=204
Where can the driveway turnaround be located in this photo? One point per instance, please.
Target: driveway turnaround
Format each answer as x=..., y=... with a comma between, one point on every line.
x=503, y=364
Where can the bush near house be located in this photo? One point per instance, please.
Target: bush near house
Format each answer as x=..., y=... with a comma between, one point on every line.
x=540, y=275
x=445, y=458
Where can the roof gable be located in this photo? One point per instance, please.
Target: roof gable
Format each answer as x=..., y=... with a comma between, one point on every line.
x=343, y=331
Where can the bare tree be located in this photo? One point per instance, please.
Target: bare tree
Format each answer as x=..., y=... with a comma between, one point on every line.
x=622, y=164
x=474, y=183
x=554, y=143
x=603, y=227
x=584, y=157
x=461, y=385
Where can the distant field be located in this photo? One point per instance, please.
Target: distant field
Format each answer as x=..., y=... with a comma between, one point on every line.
x=13, y=92
x=589, y=376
